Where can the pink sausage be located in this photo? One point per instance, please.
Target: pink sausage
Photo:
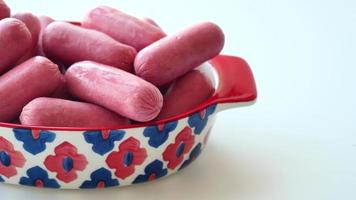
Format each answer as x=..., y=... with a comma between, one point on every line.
x=175, y=55
x=122, y=27
x=151, y=21
x=33, y=24
x=44, y=21
x=4, y=10
x=114, y=89
x=70, y=43
x=61, y=91
x=34, y=78
x=186, y=93
x=15, y=41
x=45, y=111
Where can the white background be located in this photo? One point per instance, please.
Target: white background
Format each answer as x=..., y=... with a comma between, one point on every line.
x=297, y=142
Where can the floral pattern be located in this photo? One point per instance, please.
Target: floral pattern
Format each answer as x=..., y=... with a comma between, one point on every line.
x=100, y=178
x=159, y=134
x=153, y=171
x=34, y=141
x=175, y=152
x=129, y=155
x=66, y=162
x=10, y=159
x=199, y=120
x=103, y=141
x=193, y=155
x=38, y=177
x=101, y=158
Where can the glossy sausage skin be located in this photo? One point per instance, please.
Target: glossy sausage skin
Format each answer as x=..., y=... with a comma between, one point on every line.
x=167, y=59
x=114, y=89
x=186, y=93
x=4, y=10
x=69, y=43
x=34, y=78
x=15, y=41
x=33, y=25
x=122, y=27
x=54, y=112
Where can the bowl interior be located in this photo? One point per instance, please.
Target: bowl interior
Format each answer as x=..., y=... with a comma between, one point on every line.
x=210, y=72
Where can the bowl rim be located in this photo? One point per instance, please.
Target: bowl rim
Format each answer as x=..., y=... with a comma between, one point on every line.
x=183, y=115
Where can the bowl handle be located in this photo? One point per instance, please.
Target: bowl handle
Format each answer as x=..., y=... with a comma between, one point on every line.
x=236, y=83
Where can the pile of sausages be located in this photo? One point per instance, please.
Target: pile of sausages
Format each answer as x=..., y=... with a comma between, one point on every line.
x=111, y=69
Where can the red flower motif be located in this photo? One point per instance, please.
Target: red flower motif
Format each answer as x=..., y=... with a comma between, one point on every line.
x=66, y=162
x=129, y=155
x=9, y=159
x=175, y=152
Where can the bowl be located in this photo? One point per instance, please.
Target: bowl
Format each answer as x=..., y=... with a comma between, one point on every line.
x=74, y=158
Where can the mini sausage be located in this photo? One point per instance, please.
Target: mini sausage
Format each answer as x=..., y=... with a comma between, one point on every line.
x=151, y=21
x=114, y=89
x=70, y=43
x=175, y=55
x=186, y=93
x=4, y=10
x=122, y=27
x=33, y=25
x=45, y=111
x=44, y=21
x=34, y=78
x=61, y=91
x=15, y=41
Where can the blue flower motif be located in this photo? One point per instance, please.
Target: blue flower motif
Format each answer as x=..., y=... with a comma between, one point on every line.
x=34, y=141
x=103, y=141
x=199, y=120
x=1, y=179
x=153, y=171
x=38, y=177
x=193, y=155
x=99, y=179
x=159, y=134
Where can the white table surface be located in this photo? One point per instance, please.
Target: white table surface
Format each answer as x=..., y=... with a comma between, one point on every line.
x=297, y=142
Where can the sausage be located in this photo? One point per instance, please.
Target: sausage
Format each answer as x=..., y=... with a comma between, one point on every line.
x=70, y=43
x=114, y=89
x=44, y=21
x=122, y=27
x=61, y=91
x=186, y=93
x=15, y=41
x=4, y=10
x=151, y=21
x=34, y=78
x=33, y=25
x=54, y=112
x=175, y=55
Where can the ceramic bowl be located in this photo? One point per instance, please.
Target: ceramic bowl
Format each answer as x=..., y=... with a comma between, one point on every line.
x=75, y=158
